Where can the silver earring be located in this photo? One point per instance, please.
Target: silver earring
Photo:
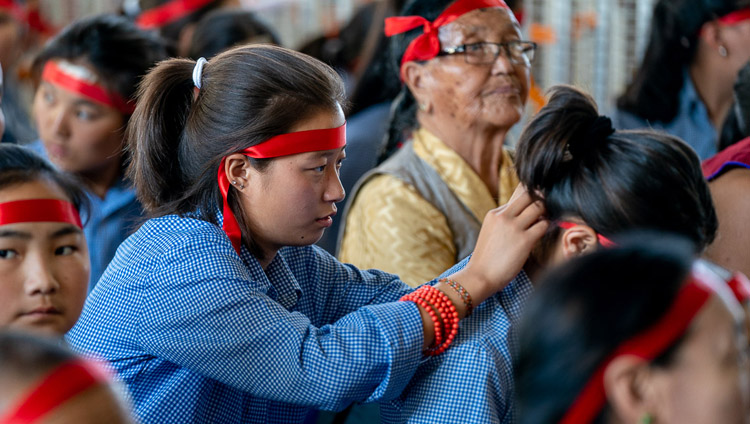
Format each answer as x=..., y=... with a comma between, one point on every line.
x=723, y=51
x=422, y=107
x=234, y=182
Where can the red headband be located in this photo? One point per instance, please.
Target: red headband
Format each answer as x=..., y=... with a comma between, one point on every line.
x=281, y=145
x=602, y=240
x=59, y=386
x=427, y=45
x=735, y=17
x=39, y=210
x=55, y=74
x=651, y=342
x=168, y=13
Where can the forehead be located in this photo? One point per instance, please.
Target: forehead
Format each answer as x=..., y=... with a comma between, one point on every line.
x=714, y=328
x=492, y=24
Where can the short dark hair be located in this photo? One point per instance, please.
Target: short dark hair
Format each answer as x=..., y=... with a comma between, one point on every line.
x=171, y=31
x=225, y=28
x=613, y=180
x=584, y=309
x=653, y=94
x=248, y=95
x=19, y=165
x=120, y=52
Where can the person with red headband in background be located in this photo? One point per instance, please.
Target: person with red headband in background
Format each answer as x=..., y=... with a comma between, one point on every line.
x=465, y=73
x=44, y=260
x=87, y=77
x=637, y=334
x=42, y=382
x=220, y=308
x=595, y=183
x=174, y=20
x=684, y=83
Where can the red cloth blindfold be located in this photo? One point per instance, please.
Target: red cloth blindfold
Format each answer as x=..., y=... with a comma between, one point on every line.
x=39, y=210
x=57, y=75
x=281, y=145
x=427, y=45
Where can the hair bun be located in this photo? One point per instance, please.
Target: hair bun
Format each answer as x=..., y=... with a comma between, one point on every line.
x=590, y=136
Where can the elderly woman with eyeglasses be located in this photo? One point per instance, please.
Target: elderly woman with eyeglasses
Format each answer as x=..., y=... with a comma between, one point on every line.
x=464, y=70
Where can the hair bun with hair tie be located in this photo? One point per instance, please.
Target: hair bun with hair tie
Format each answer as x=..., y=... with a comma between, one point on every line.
x=589, y=137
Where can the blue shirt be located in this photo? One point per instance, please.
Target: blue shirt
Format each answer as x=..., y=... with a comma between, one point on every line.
x=691, y=123
x=108, y=222
x=472, y=381
x=199, y=334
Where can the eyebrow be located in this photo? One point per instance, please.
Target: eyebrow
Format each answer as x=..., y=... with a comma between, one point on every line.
x=15, y=234
x=27, y=236
x=66, y=231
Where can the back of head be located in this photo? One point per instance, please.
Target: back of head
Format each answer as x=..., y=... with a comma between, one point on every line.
x=584, y=310
x=675, y=26
x=613, y=180
x=179, y=134
x=225, y=28
x=119, y=52
x=20, y=165
x=27, y=367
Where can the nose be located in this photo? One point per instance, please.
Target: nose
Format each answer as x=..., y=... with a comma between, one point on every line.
x=40, y=279
x=502, y=64
x=59, y=122
x=334, y=189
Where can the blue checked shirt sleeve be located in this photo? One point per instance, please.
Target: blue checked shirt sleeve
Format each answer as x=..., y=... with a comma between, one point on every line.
x=208, y=318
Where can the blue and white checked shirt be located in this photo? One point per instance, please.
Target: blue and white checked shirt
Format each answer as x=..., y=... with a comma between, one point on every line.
x=108, y=223
x=200, y=335
x=691, y=123
x=472, y=381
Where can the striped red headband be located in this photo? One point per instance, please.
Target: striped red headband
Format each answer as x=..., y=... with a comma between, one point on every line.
x=169, y=12
x=280, y=145
x=427, y=45
x=80, y=80
x=39, y=210
x=649, y=344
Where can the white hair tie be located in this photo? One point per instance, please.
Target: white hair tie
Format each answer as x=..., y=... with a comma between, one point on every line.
x=198, y=71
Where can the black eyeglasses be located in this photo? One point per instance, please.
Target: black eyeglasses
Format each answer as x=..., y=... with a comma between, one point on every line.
x=517, y=51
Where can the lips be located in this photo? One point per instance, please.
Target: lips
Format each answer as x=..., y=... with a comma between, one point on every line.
x=56, y=150
x=42, y=311
x=327, y=220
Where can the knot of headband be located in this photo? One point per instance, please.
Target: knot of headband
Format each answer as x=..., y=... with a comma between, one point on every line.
x=427, y=45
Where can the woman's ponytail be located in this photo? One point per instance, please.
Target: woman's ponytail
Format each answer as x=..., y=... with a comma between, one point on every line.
x=154, y=133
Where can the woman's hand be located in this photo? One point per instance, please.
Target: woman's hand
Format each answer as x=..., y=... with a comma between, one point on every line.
x=508, y=234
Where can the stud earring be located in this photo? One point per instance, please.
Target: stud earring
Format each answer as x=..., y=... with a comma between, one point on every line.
x=422, y=107
x=723, y=51
x=234, y=182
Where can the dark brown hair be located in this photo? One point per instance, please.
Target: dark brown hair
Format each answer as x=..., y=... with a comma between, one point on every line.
x=571, y=157
x=248, y=94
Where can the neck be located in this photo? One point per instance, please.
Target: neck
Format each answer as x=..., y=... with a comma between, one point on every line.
x=482, y=149
x=101, y=180
x=714, y=88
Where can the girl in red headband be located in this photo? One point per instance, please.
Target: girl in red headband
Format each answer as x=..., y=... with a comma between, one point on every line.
x=44, y=260
x=220, y=308
x=637, y=334
x=87, y=77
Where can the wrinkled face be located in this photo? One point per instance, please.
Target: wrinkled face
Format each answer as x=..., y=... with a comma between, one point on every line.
x=44, y=268
x=292, y=201
x=79, y=134
x=478, y=95
x=705, y=383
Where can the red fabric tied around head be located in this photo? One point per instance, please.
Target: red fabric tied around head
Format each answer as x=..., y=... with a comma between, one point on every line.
x=735, y=17
x=63, y=383
x=427, y=45
x=280, y=145
x=605, y=242
x=646, y=345
x=169, y=12
x=56, y=75
x=39, y=210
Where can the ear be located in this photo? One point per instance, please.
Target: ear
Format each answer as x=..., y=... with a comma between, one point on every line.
x=415, y=76
x=710, y=33
x=578, y=240
x=631, y=389
x=238, y=170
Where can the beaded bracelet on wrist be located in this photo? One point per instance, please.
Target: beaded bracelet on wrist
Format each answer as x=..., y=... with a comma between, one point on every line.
x=465, y=296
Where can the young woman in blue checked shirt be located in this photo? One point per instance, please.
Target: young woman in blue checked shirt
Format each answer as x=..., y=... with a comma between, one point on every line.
x=219, y=308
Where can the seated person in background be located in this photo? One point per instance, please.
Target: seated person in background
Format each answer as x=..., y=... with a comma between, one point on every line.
x=684, y=84
x=40, y=381
x=225, y=28
x=44, y=261
x=89, y=73
x=595, y=183
x=636, y=334
x=420, y=211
